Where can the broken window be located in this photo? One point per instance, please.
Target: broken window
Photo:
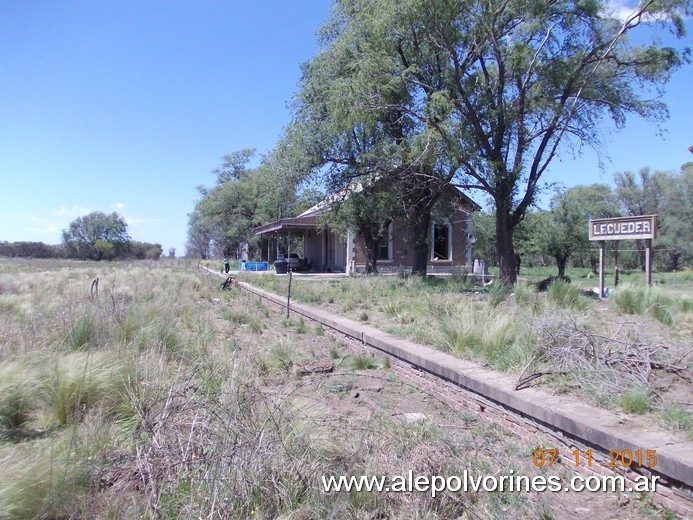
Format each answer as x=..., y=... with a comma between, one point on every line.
x=441, y=241
x=385, y=247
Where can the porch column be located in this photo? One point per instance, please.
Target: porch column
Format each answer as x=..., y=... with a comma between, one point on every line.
x=468, y=241
x=349, y=252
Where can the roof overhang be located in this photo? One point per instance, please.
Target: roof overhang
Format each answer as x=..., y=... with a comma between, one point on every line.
x=286, y=226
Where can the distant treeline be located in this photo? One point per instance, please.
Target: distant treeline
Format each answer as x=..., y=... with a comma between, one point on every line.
x=131, y=250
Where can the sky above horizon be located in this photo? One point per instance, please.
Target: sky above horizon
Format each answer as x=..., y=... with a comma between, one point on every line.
x=128, y=106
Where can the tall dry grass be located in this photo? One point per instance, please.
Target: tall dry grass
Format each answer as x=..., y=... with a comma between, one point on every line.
x=167, y=398
x=512, y=329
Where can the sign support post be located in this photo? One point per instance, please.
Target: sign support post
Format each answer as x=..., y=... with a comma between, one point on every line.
x=648, y=263
x=602, y=245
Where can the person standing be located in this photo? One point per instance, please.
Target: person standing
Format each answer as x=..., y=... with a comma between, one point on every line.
x=226, y=265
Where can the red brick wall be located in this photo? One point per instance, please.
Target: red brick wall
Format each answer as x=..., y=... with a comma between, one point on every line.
x=402, y=252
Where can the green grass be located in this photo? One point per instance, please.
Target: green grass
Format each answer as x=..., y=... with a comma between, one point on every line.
x=18, y=392
x=45, y=478
x=567, y=296
x=301, y=327
x=75, y=383
x=82, y=332
x=676, y=417
x=281, y=357
x=663, y=307
x=637, y=401
x=363, y=362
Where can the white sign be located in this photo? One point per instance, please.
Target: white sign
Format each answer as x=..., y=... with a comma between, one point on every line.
x=624, y=228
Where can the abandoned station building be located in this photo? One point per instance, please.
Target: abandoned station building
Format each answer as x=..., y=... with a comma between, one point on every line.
x=323, y=250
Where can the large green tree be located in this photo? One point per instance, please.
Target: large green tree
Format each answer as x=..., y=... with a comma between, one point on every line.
x=642, y=194
x=241, y=199
x=489, y=91
x=564, y=231
x=97, y=236
x=676, y=230
x=199, y=243
x=367, y=210
x=350, y=140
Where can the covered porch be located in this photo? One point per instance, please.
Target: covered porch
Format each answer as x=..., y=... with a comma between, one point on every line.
x=322, y=250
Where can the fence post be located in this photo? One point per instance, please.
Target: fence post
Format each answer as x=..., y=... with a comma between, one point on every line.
x=288, y=296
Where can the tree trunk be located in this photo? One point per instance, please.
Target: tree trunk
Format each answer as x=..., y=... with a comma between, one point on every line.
x=419, y=235
x=640, y=246
x=371, y=254
x=504, y=245
x=561, y=261
x=615, y=264
x=593, y=264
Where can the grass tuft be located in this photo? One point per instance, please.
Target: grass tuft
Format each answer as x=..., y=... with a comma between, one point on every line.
x=363, y=362
x=77, y=382
x=676, y=417
x=637, y=401
x=42, y=479
x=567, y=296
x=17, y=393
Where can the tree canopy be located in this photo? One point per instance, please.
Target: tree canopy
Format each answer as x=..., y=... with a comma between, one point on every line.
x=242, y=199
x=96, y=236
x=484, y=92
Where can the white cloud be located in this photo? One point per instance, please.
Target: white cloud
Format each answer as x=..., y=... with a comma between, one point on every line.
x=74, y=211
x=118, y=206
x=623, y=9
x=620, y=8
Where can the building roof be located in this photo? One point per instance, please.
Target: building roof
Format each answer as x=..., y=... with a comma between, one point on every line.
x=309, y=218
x=289, y=225
x=465, y=197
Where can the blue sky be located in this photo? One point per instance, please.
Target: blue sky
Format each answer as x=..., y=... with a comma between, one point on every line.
x=127, y=106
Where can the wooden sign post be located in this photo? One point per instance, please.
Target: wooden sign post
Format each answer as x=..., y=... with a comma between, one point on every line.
x=642, y=227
